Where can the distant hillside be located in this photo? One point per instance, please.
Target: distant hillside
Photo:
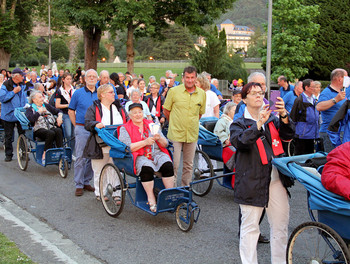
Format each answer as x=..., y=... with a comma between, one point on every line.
x=252, y=13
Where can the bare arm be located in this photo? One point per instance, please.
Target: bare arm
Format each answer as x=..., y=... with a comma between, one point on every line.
x=71, y=114
x=325, y=105
x=141, y=144
x=217, y=111
x=59, y=105
x=166, y=112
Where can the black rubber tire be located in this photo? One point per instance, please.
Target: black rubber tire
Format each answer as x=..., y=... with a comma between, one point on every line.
x=22, y=152
x=202, y=188
x=307, y=245
x=109, y=177
x=181, y=217
x=63, y=168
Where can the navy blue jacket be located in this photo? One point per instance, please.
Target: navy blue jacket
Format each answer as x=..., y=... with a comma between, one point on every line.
x=339, y=123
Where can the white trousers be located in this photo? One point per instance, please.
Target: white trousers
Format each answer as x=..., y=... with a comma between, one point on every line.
x=97, y=166
x=278, y=217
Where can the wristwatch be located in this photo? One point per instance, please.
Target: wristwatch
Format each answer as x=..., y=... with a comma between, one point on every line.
x=284, y=116
x=334, y=101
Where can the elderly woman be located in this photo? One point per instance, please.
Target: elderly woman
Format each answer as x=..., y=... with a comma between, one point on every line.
x=257, y=138
x=137, y=135
x=44, y=123
x=135, y=96
x=213, y=103
x=103, y=112
x=222, y=130
x=155, y=102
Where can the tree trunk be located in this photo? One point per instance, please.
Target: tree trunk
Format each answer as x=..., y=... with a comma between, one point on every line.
x=92, y=37
x=130, y=48
x=4, y=59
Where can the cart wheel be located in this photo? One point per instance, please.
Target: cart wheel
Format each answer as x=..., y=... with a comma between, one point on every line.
x=202, y=169
x=22, y=152
x=111, y=188
x=316, y=243
x=184, y=217
x=63, y=167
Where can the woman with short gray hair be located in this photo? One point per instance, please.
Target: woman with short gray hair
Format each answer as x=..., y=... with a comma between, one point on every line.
x=135, y=97
x=222, y=130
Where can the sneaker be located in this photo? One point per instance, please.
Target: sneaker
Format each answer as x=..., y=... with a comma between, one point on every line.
x=8, y=158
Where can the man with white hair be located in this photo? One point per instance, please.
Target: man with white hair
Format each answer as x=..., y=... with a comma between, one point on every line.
x=81, y=100
x=151, y=79
x=12, y=95
x=257, y=77
x=212, y=86
x=105, y=79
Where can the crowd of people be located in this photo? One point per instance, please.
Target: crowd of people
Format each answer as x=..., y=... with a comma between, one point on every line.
x=252, y=129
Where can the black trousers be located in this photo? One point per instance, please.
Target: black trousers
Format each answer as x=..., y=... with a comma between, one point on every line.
x=304, y=146
x=49, y=136
x=9, y=129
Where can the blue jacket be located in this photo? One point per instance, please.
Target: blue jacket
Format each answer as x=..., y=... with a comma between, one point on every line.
x=340, y=121
x=284, y=92
x=215, y=90
x=289, y=99
x=9, y=100
x=306, y=118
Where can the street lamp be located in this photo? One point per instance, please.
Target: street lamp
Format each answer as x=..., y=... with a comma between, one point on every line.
x=268, y=54
x=49, y=35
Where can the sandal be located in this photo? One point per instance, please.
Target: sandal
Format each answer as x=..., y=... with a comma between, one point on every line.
x=152, y=207
x=117, y=200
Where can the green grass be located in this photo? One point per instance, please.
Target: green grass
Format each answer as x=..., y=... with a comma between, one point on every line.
x=9, y=253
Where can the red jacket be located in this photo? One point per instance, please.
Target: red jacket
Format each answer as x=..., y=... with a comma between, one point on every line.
x=336, y=172
x=135, y=136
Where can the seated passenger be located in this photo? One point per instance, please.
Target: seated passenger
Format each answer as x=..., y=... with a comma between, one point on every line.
x=148, y=156
x=103, y=112
x=45, y=125
x=336, y=172
x=222, y=130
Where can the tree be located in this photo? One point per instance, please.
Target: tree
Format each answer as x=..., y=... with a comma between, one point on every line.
x=176, y=44
x=59, y=50
x=293, y=33
x=136, y=17
x=333, y=38
x=213, y=58
x=15, y=25
x=257, y=41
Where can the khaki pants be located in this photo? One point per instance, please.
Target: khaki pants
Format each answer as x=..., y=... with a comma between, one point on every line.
x=188, y=150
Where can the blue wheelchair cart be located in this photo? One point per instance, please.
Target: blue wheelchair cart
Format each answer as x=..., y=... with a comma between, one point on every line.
x=119, y=179
x=27, y=143
x=209, y=148
x=325, y=239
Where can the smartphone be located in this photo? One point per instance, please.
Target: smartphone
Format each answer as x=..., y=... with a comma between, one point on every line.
x=273, y=99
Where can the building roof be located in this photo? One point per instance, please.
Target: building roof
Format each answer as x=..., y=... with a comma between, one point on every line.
x=227, y=21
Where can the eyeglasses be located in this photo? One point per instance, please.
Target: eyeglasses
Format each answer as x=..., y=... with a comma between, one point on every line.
x=256, y=93
x=91, y=76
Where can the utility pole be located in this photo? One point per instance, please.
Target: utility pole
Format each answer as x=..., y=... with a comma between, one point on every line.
x=268, y=55
x=49, y=35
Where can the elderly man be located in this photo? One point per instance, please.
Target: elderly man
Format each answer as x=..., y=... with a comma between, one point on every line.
x=105, y=79
x=306, y=119
x=212, y=86
x=329, y=102
x=285, y=87
x=80, y=102
x=152, y=79
x=290, y=97
x=183, y=107
x=257, y=77
x=12, y=95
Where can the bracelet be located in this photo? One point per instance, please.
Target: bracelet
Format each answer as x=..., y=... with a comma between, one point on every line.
x=283, y=116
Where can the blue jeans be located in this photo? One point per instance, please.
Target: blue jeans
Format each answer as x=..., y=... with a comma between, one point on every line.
x=68, y=131
x=83, y=172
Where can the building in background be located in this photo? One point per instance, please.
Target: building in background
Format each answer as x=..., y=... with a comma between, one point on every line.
x=237, y=37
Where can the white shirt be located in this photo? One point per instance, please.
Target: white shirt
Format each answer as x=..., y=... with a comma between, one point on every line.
x=106, y=116
x=211, y=102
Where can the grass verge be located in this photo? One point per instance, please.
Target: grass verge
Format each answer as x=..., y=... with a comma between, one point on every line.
x=9, y=252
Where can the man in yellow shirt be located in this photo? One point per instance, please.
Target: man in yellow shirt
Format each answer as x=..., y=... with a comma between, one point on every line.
x=183, y=107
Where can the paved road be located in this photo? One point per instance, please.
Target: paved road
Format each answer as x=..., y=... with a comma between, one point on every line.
x=133, y=237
